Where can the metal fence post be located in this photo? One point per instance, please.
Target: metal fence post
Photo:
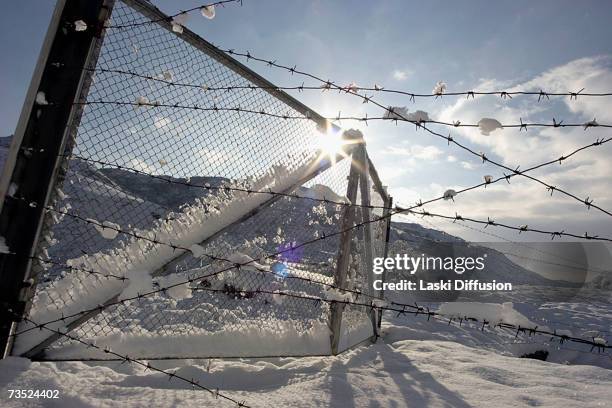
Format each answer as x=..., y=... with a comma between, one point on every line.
x=41, y=138
x=344, y=251
x=366, y=214
x=388, y=205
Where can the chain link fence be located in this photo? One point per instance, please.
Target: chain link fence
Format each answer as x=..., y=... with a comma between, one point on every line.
x=155, y=191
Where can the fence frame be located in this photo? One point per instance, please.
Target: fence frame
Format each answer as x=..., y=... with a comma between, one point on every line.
x=58, y=145
x=43, y=133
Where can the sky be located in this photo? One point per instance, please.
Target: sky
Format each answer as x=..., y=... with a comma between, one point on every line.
x=411, y=45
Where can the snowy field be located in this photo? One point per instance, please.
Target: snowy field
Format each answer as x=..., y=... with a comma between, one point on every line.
x=416, y=363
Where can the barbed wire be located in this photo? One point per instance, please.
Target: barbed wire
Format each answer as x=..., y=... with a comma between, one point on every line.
x=128, y=359
x=342, y=88
x=588, y=201
x=389, y=110
x=294, y=71
x=507, y=261
x=402, y=309
x=530, y=248
x=322, y=236
x=491, y=222
x=169, y=18
x=339, y=118
x=292, y=247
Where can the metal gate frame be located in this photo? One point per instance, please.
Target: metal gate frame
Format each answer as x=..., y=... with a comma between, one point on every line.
x=46, y=134
x=359, y=178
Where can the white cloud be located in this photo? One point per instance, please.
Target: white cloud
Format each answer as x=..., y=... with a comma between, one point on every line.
x=523, y=201
x=467, y=165
x=418, y=152
x=401, y=75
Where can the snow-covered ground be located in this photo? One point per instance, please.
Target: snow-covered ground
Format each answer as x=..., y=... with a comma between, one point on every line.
x=410, y=366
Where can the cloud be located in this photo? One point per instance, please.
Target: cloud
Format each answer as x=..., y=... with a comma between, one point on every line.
x=467, y=165
x=401, y=75
x=523, y=201
x=418, y=152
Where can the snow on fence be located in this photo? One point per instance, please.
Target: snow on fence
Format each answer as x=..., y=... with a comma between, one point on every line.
x=146, y=195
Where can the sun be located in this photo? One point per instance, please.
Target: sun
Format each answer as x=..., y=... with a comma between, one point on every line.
x=332, y=144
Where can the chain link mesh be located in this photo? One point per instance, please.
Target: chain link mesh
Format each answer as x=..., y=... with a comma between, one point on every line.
x=107, y=190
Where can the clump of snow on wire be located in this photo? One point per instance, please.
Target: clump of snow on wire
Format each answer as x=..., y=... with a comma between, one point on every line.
x=591, y=123
x=178, y=22
x=208, y=11
x=80, y=25
x=245, y=261
x=41, y=98
x=197, y=251
x=401, y=113
x=488, y=125
x=440, y=88
x=108, y=229
x=166, y=76
x=491, y=312
x=450, y=194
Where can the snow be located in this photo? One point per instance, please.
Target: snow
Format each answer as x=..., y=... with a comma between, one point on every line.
x=401, y=113
x=80, y=25
x=178, y=22
x=208, y=11
x=243, y=340
x=41, y=98
x=142, y=101
x=592, y=123
x=439, y=89
x=191, y=226
x=179, y=292
x=4, y=249
x=491, y=312
x=450, y=194
x=107, y=229
x=197, y=250
x=488, y=125
x=396, y=371
x=139, y=282
x=240, y=258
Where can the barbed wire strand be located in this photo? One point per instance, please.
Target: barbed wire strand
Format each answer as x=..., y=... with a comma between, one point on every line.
x=293, y=70
x=588, y=202
x=169, y=18
x=542, y=95
x=147, y=365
